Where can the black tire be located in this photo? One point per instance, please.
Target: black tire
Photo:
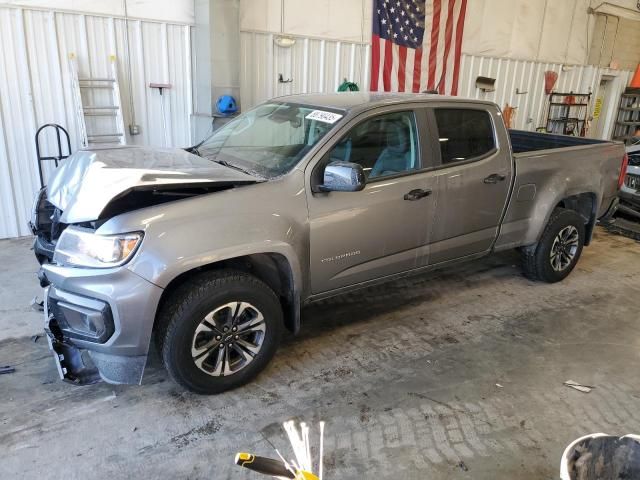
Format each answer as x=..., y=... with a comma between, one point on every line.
x=183, y=312
x=536, y=259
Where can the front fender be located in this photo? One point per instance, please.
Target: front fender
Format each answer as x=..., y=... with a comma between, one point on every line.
x=183, y=235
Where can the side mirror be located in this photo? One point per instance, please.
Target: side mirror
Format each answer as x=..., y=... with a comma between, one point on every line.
x=342, y=176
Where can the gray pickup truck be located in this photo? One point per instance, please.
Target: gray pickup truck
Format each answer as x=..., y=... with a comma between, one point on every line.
x=215, y=249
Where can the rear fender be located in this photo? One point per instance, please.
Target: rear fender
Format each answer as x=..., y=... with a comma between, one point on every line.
x=585, y=203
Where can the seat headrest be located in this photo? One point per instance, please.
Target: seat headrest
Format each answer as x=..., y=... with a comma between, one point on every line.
x=397, y=137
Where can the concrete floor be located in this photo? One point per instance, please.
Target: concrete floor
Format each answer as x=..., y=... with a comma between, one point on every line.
x=455, y=375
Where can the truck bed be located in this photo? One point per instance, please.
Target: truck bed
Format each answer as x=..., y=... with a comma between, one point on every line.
x=549, y=168
x=523, y=141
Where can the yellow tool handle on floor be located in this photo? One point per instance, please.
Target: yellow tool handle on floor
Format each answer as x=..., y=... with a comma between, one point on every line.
x=267, y=466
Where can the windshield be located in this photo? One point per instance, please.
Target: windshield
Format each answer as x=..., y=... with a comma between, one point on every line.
x=270, y=139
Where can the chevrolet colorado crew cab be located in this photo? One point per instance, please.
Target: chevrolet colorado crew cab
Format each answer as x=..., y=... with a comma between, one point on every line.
x=215, y=249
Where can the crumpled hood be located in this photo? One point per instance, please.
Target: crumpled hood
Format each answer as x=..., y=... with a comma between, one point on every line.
x=84, y=184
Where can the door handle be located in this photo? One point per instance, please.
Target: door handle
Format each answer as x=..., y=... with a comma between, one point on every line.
x=417, y=194
x=494, y=178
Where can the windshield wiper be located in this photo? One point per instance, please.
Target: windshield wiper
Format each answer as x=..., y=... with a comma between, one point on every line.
x=235, y=167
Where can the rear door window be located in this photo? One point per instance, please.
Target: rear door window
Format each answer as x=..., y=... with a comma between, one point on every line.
x=464, y=134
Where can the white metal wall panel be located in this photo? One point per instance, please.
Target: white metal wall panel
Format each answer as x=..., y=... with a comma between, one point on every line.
x=514, y=76
x=174, y=11
x=35, y=89
x=179, y=71
x=318, y=65
x=18, y=125
x=314, y=65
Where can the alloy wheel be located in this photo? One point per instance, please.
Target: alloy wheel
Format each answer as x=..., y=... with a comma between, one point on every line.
x=564, y=248
x=228, y=339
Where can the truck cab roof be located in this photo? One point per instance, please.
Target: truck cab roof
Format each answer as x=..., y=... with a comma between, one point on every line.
x=354, y=102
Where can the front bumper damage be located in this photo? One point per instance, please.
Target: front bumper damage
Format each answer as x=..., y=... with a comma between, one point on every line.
x=72, y=367
x=98, y=323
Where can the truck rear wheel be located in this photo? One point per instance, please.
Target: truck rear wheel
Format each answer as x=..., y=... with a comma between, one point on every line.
x=559, y=248
x=219, y=330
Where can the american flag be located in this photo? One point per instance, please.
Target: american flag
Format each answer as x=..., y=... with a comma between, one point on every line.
x=416, y=45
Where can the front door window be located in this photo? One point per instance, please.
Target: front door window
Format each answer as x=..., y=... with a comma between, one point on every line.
x=384, y=145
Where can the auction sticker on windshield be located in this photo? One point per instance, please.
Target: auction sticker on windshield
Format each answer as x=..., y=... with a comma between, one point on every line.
x=322, y=116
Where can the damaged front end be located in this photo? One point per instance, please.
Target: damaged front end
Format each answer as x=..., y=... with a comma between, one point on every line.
x=72, y=367
x=98, y=314
x=70, y=317
x=46, y=227
x=85, y=367
x=92, y=186
x=98, y=322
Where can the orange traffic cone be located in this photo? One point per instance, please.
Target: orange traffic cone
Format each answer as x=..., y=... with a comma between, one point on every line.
x=635, y=81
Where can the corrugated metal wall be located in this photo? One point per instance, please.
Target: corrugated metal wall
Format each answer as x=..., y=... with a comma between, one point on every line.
x=514, y=76
x=35, y=89
x=317, y=65
x=313, y=65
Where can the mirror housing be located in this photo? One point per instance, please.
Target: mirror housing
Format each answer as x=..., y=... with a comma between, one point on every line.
x=340, y=176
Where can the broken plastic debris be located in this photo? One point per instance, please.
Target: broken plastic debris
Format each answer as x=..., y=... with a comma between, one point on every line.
x=499, y=386
x=37, y=305
x=578, y=386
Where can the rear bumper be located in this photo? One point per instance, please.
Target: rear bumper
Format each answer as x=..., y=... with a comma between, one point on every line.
x=98, y=322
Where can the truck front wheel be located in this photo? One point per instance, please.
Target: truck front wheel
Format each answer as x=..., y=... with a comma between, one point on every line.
x=559, y=248
x=219, y=330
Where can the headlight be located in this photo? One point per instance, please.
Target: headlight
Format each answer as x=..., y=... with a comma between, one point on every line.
x=83, y=248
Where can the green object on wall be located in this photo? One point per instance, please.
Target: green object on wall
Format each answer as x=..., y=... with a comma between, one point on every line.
x=348, y=86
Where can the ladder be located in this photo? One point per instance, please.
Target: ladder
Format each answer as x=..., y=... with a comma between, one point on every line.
x=98, y=107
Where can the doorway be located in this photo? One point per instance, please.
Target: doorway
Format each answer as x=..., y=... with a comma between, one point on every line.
x=604, y=106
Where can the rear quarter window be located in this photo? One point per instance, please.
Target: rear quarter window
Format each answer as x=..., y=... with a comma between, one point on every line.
x=464, y=134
